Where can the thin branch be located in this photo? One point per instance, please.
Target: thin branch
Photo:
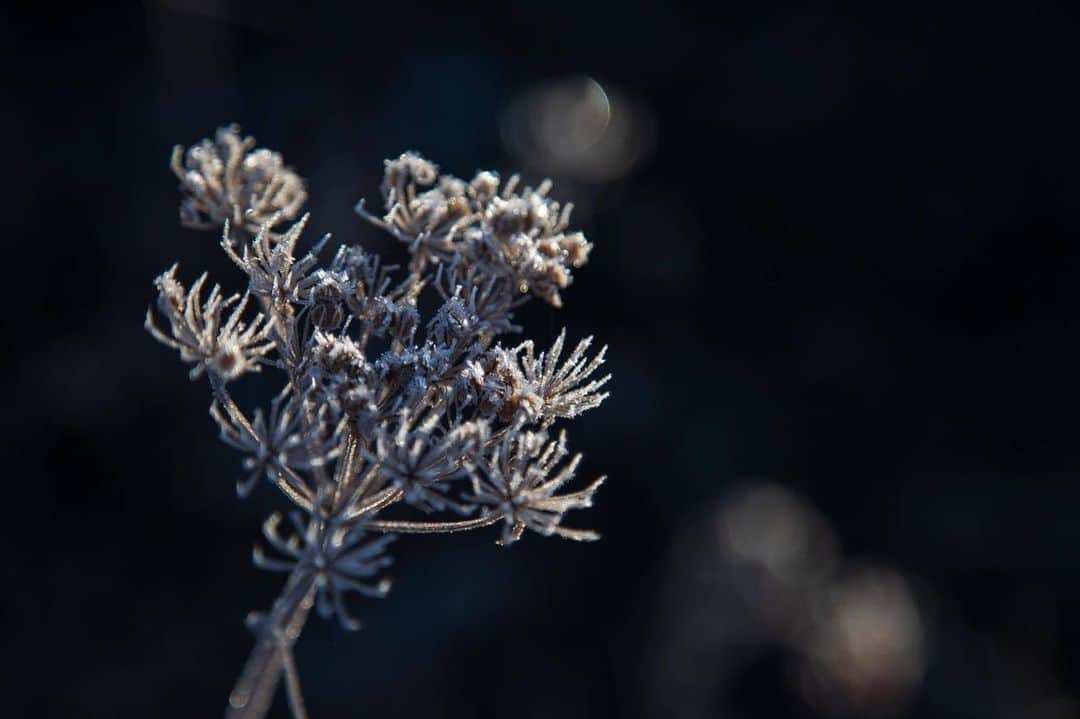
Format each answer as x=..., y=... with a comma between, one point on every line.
x=221, y=394
x=432, y=527
x=367, y=482
x=346, y=460
x=382, y=500
x=294, y=488
x=254, y=690
x=292, y=684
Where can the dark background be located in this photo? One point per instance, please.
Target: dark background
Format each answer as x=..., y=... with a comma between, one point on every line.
x=847, y=266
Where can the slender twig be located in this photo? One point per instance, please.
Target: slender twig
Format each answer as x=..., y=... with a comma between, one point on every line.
x=221, y=394
x=276, y=633
x=404, y=527
x=292, y=684
x=382, y=500
x=345, y=467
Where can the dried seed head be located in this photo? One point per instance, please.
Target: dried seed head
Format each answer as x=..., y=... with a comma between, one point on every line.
x=484, y=186
x=227, y=347
x=371, y=413
x=225, y=180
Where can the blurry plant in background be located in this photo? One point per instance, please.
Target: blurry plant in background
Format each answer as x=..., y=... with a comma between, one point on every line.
x=380, y=406
x=767, y=573
x=576, y=129
x=864, y=650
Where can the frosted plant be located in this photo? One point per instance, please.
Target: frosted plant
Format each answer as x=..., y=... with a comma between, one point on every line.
x=227, y=350
x=381, y=408
x=224, y=179
x=515, y=483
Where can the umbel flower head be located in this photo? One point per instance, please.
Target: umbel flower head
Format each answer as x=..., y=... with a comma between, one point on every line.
x=340, y=558
x=282, y=444
x=392, y=419
x=420, y=460
x=518, y=237
x=227, y=349
x=563, y=390
x=518, y=482
x=227, y=179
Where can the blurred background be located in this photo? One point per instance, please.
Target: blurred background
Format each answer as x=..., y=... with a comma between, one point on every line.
x=836, y=260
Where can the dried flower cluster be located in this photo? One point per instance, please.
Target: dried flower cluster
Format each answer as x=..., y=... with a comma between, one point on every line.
x=225, y=179
x=380, y=405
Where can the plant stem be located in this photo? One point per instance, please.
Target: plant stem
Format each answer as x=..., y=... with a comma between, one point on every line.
x=275, y=635
x=432, y=527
